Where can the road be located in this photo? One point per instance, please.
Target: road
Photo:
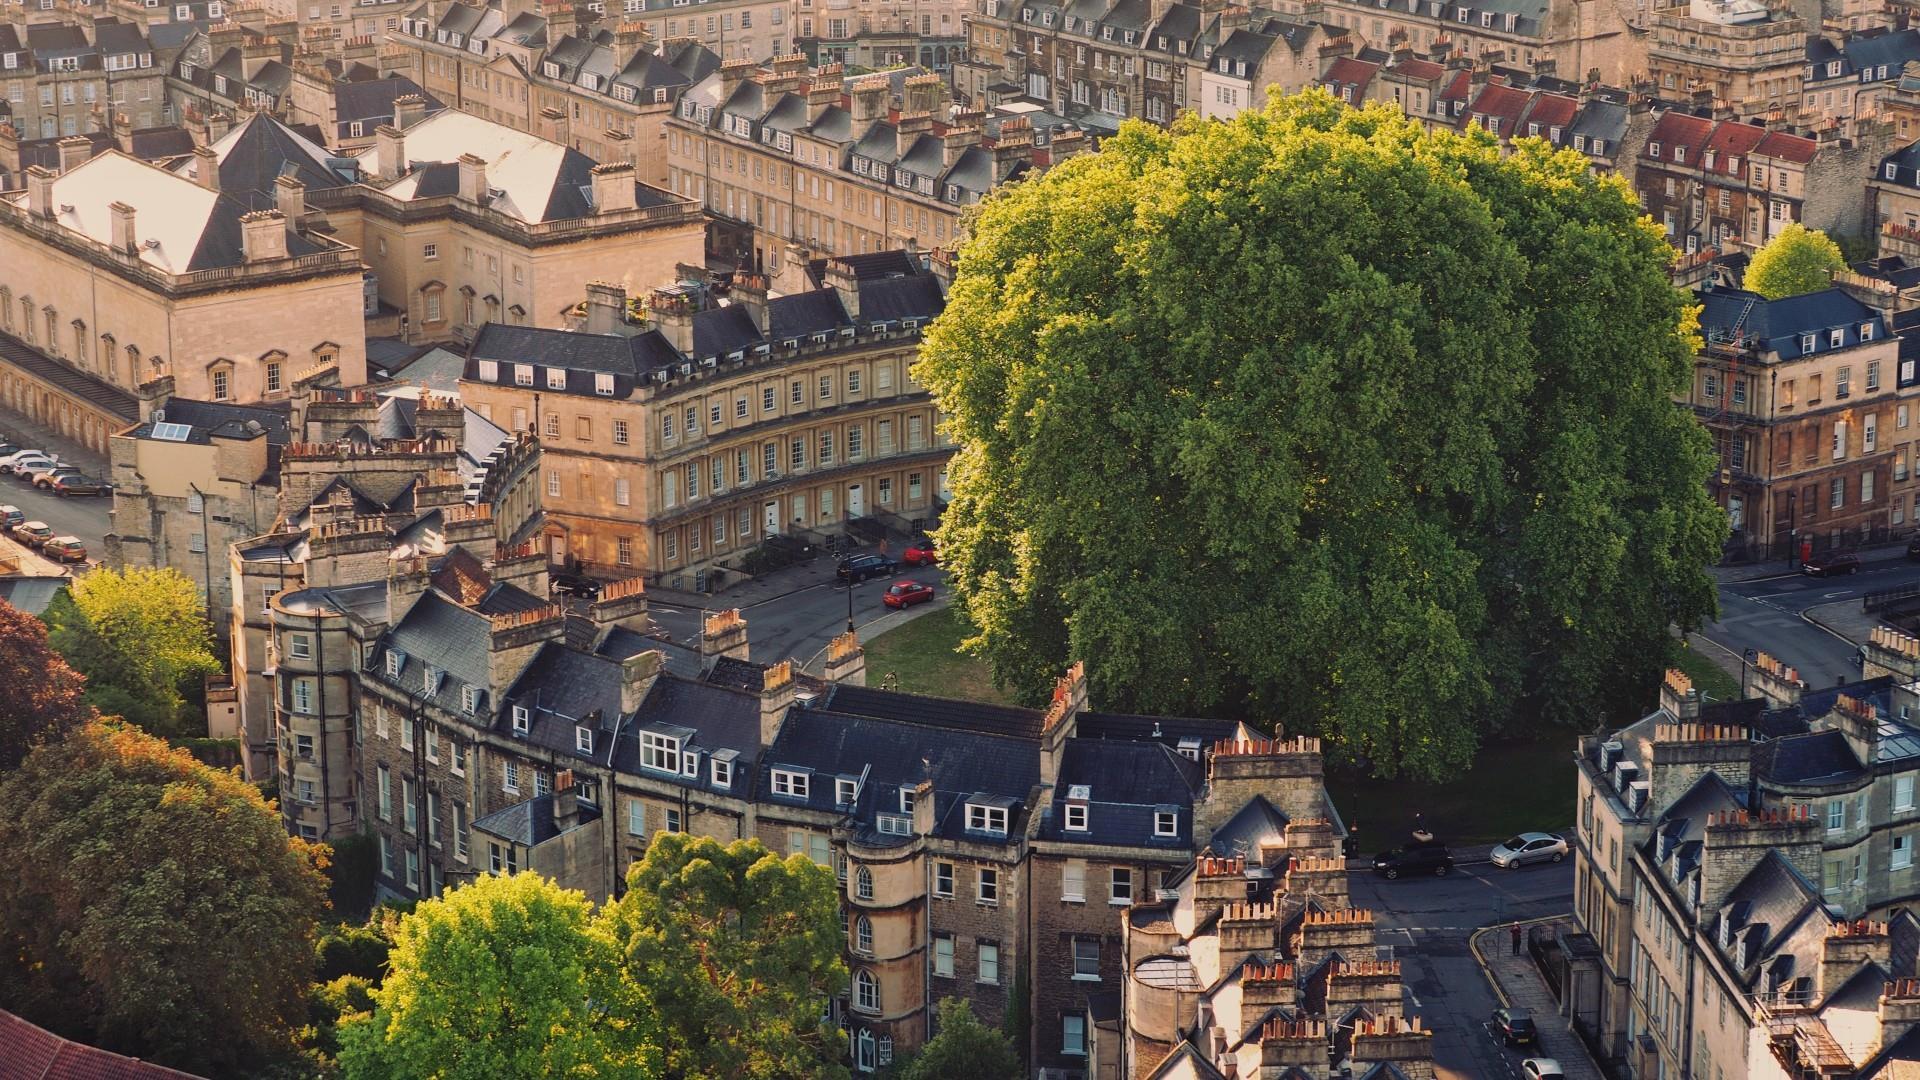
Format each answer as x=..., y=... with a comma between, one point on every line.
x=86, y=517
x=1768, y=614
x=799, y=625
x=1425, y=923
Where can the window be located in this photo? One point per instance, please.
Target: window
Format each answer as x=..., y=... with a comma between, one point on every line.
x=1073, y=881
x=1866, y=486
x=520, y=719
x=622, y=494
x=510, y=778
x=845, y=791
x=1873, y=366
x=273, y=376
x=989, y=887
x=429, y=251
x=943, y=879
x=1842, y=381
x=863, y=883
x=1835, y=339
x=1866, y=334
x=1902, y=851
x=620, y=432
x=460, y=831
x=766, y=399
x=866, y=992
x=220, y=388
x=303, y=695
x=636, y=818
x=863, y=935
x=408, y=815
x=300, y=646
x=1837, y=493
x=789, y=783
x=796, y=393
x=1121, y=889
x=583, y=739
x=523, y=374
x=1869, y=432
x=1903, y=793
x=659, y=752
x=386, y=857
x=943, y=956
x=1076, y=817
x=385, y=786
x=1086, y=959
x=1166, y=823
x=853, y=381
x=989, y=966
x=1836, y=815
x=1073, y=1036
x=1839, y=440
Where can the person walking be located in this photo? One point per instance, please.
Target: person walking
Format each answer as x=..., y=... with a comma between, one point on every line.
x=1514, y=933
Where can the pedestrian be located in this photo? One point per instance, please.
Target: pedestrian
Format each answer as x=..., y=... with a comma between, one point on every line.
x=1514, y=933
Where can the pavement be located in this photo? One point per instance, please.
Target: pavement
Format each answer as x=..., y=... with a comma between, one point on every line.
x=88, y=518
x=1814, y=624
x=1519, y=984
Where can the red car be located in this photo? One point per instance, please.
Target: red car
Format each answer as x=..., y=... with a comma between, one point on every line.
x=920, y=553
x=905, y=594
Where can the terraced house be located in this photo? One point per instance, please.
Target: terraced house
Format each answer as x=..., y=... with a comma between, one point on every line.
x=74, y=78
x=681, y=441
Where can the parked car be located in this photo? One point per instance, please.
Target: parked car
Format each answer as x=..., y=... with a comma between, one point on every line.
x=34, y=534
x=1529, y=847
x=1515, y=1026
x=905, y=594
x=10, y=516
x=44, y=478
x=861, y=567
x=18, y=463
x=920, y=553
x=1430, y=858
x=1542, y=1069
x=1913, y=547
x=65, y=549
x=81, y=484
x=1841, y=562
x=8, y=449
x=578, y=585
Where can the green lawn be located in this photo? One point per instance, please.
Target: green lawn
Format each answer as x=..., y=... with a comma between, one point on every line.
x=1709, y=677
x=1512, y=786
x=921, y=655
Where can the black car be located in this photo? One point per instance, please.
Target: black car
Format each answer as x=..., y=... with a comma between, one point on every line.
x=861, y=567
x=1913, y=547
x=1840, y=562
x=578, y=585
x=1431, y=858
x=1515, y=1027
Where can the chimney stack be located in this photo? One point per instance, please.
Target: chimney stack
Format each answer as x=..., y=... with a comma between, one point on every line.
x=962, y=134
x=846, y=660
x=776, y=695
x=562, y=21
x=125, y=240
x=606, y=307
x=74, y=152
x=630, y=39
x=263, y=236
x=409, y=110
x=840, y=278
x=1014, y=146
x=922, y=94
x=1736, y=840
x=1062, y=719
x=672, y=314
x=822, y=94
x=732, y=74
x=391, y=146
x=290, y=198
x=637, y=675
x=206, y=168
x=613, y=189
x=908, y=130
x=869, y=103
x=750, y=296
x=724, y=634
x=620, y=604
x=473, y=179
x=1678, y=696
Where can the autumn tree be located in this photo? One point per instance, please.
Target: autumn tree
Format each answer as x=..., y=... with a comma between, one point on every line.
x=140, y=636
x=1797, y=260
x=43, y=697
x=962, y=1048
x=506, y=976
x=152, y=905
x=737, y=951
x=1318, y=418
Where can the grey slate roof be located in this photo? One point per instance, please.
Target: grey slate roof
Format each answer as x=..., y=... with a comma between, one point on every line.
x=438, y=632
x=1242, y=833
x=944, y=713
x=87, y=387
x=1819, y=757
x=1128, y=783
x=1781, y=323
x=530, y=822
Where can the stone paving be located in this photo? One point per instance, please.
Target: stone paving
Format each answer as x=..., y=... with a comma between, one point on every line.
x=1519, y=985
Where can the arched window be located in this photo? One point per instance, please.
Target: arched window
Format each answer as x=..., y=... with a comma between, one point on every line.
x=866, y=992
x=863, y=935
x=863, y=883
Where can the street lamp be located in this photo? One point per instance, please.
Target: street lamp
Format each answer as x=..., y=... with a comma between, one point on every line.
x=1747, y=657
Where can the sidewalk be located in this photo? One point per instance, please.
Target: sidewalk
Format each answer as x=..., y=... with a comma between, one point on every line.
x=1518, y=984
x=770, y=586
x=28, y=433
x=1891, y=551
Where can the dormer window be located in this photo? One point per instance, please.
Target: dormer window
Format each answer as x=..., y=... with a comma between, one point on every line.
x=469, y=700
x=986, y=819
x=845, y=791
x=1076, y=820
x=523, y=374
x=789, y=783
x=1866, y=334
x=521, y=720
x=429, y=679
x=722, y=773
x=603, y=384
x=894, y=825
x=583, y=739
x=1679, y=155
x=906, y=800
x=1707, y=161
x=1653, y=149
x=1833, y=69
x=489, y=371
x=659, y=752
x=396, y=660
x=1890, y=170
x=1190, y=748
x=556, y=379
x=1836, y=338
x=1166, y=823
x=1807, y=342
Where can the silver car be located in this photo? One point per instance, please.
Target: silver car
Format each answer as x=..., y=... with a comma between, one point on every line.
x=1529, y=847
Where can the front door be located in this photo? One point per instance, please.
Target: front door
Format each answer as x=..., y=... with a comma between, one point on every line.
x=856, y=501
x=557, y=548
x=773, y=519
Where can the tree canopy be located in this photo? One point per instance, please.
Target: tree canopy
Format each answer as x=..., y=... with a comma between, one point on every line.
x=44, y=698
x=1797, y=260
x=737, y=951
x=152, y=905
x=1325, y=420
x=963, y=1048
x=139, y=636
x=506, y=976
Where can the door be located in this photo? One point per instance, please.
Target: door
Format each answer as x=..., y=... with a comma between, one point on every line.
x=557, y=547
x=856, y=501
x=773, y=518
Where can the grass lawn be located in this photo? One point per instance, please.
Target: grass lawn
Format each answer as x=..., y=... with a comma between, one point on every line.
x=922, y=656
x=1512, y=786
x=1708, y=677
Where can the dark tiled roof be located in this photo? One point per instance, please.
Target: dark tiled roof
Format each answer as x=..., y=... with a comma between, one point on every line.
x=530, y=822
x=78, y=383
x=1813, y=758
x=1127, y=784
x=1167, y=729
x=1781, y=323
x=945, y=713
x=452, y=639
x=154, y=143
x=561, y=689
x=1242, y=833
x=223, y=419
x=372, y=100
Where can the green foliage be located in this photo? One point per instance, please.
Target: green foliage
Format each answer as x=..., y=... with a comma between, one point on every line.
x=43, y=698
x=139, y=636
x=1797, y=260
x=963, y=1049
x=152, y=905
x=737, y=951
x=507, y=976
x=359, y=951
x=1318, y=418
x=1017, y=1024
x=347, y=998
x=350, y=878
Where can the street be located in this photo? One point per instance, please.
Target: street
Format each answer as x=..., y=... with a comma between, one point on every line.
x=1768, y=615
x=1425, y=922
x=85, y=517
x=800, y=624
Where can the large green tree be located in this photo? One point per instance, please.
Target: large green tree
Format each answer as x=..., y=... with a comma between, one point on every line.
x=1797, y=260
x=963, y=1048
x=507, y=976
x=140, y=636
x=737, y=951
x=42, y=698
x=153, y=905
x=1323, y=419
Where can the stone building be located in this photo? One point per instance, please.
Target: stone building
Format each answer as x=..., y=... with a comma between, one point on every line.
x=74, y=78
x=1746, y=58
x=117, y=272
x=1742, y=877
x=685, y=440
x=1733, y=186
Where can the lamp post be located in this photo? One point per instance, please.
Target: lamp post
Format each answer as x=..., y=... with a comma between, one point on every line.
x=1748, y=657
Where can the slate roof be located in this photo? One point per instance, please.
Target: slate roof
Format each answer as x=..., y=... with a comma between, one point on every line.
x=1128, y=783
x=1820, y=757
x=561, y=689
x=1781, y=323
x=259, y=151
x=1253, y=823
x=945, y=713
x=710, y=721
x=79, y=383
x=531, y=822
x=453, y=639
x=224, y=419
x=371, y=101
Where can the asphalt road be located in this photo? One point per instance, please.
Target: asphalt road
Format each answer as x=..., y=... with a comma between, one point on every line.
x=799, y=625
x=1425, y=922
x=84, y=517
x=1768, y=614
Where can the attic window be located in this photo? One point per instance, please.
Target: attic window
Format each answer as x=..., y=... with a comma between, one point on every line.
x=906, y=800
x=1190, y=748
x=1076, y=817
x=469, y=700
x=845, y=791
x=985, y=819
x=395, y=661
x=523, y=374
x=603, y=384
x=1166, y=823
x=521, y=720
x=790, y=783
x=556, y=379
x=722, y=773
x=583, y=739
